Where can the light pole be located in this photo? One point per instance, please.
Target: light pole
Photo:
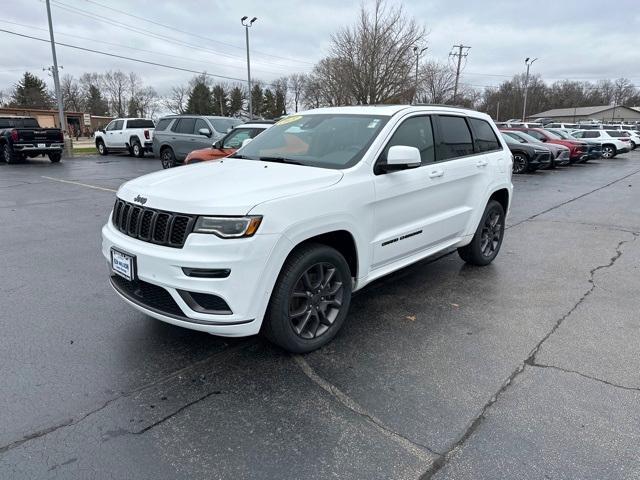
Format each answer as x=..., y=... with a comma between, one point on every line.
x=417, y=52
x=54, y=71
x=246, y=25
x=528, y=62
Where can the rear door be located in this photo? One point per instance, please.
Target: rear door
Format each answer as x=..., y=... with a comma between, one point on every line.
x=468, y=155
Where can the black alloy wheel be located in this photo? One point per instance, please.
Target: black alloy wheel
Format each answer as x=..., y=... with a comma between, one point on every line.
x=315, y=301
x=167, y=158
x=491, y=234
x=520, y=163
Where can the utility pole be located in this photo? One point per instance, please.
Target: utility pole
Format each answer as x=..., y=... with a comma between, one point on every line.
x=56, y=78
x=498, y=111
x=246, y=29
x=463, y=52
x=528, y=62
x=417, y=52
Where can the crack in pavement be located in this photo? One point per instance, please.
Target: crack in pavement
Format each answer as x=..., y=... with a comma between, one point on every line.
x=588, y=224
x=566, y=370
x=417, y=449
x=572, y=200
x=442, y=460
x=166, y=378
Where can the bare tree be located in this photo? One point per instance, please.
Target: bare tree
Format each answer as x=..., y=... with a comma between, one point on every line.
x=176, y=102
x=377, y=54
x=115, y=85
x=71, y=93
x=436, y=83
x=297, y=83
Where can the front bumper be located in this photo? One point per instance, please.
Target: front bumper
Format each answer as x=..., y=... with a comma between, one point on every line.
x=245, y=290
x=540, y=160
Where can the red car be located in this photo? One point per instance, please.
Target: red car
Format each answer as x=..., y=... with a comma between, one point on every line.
x=578, y=151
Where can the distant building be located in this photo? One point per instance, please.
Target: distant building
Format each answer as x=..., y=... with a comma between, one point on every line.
x=605, y=113
x=86, y=122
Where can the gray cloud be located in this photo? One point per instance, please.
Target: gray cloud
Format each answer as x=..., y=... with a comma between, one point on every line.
x=571, y=37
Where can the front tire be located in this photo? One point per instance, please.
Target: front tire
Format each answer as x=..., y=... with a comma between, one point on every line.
x=167, y=158
x=310, y=300
x=486, y=242
x=102, y=148
x=520, y=163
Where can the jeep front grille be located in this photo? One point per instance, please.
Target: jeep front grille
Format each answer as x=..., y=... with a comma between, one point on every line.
x=155, y=226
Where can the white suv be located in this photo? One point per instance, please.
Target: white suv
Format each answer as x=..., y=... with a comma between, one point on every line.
x=276, y=237
x=613, y=142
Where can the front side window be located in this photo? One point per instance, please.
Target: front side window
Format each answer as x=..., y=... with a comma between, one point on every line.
x=118, y=124
x=329, y=140
x=199, y=125
x=235, y=138
x=455, y=137
x=485, y=137
x=414, y=132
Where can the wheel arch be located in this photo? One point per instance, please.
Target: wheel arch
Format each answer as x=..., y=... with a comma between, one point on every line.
x=341, y=240
x=502, y=197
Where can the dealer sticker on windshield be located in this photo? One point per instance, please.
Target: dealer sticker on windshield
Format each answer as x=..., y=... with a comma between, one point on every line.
x=290, y=119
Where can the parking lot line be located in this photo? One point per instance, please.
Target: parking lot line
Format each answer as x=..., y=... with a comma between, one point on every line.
x=95, y=187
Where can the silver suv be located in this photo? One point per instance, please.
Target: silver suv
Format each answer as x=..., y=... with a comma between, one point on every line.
x=177, y=135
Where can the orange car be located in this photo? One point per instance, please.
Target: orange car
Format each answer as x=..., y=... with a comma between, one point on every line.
x=228, y=144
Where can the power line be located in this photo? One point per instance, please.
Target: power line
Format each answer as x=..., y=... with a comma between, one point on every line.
x=164, y=38
x=173, y=28
x=181, y=57
x=147, y=62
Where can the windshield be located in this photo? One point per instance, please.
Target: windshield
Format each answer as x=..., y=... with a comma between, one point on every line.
x=528, y=138
x=510, y=140
x=322, y=140
x=561, y=134
x=223, y=125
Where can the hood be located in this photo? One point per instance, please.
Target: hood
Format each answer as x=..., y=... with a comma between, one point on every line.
x=227, y=187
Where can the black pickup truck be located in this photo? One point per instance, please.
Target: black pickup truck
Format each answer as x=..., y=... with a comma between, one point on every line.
x=22, y=137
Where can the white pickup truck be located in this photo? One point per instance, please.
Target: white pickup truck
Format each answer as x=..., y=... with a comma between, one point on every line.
x=134, y=135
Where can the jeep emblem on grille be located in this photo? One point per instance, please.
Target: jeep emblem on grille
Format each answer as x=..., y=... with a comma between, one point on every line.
x=140, y=200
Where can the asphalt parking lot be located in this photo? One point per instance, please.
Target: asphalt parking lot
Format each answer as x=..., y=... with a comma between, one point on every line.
x=528, y=368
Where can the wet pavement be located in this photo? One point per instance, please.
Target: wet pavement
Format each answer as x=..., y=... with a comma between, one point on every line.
x=527, y=368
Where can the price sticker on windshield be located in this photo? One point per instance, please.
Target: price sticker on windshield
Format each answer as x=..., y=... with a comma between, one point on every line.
x=290, y=119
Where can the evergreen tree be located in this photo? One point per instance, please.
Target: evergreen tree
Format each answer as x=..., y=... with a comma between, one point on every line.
x=220, y=100
x=280, y=104
x=200, y=100
x=95, y=104
x=269, y=105
x=32, y=92
x=257, y=98
x=236, y=100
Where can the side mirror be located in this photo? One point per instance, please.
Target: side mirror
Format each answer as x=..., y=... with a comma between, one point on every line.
x=402, y=157
x=245, y=142
x=543, y=139
x=205, y=131
x=218, y=144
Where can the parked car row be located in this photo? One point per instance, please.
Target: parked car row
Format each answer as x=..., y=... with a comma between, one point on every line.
x=535, y=148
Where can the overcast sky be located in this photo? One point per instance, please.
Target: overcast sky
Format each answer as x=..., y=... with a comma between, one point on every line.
x=574, y=39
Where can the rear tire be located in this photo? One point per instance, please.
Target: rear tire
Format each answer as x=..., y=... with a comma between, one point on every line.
x=487, y=240
x=9, y=155
x=102, y=148
x=55, y=157
x=167, y=158
x=310, y=300
x=137, y=149
x=608, y=151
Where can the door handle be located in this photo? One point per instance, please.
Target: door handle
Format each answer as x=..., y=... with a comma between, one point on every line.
x=481, y=163
x=436, y=173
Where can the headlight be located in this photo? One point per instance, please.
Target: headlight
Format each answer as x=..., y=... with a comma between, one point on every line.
x=539, y=150
x=228, y=227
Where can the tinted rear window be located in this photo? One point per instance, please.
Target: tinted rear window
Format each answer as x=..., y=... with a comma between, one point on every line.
x=19, y=123
x=617, y=133
x=163, y=123
x=140, y=123
x=485, y=137
x=456, y=137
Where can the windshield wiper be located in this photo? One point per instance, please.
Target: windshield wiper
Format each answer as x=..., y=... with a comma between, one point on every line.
x=279, y=160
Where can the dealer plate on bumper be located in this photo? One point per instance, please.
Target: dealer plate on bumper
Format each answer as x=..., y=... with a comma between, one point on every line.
x=123, y=264
x=42, y=145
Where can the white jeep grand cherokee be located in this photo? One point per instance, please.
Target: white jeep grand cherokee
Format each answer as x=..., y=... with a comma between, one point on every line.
x=278, y=236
